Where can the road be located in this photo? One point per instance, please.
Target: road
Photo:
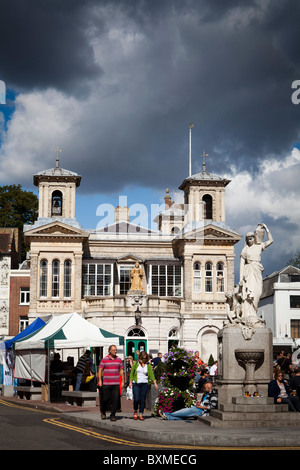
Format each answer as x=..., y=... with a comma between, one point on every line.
x=23, y=428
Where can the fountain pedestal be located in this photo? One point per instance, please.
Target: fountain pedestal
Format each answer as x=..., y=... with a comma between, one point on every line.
x=244, y=364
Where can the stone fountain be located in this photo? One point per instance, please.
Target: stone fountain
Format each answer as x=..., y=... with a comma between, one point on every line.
x=245, y=350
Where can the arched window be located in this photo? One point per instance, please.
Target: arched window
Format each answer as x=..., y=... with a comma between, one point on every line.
x=67, y=278
x=55, y=278
x=173, y=338
x=207, y=207
x=208, y=277
x=220, y=277
x=197, y=277
x=56, y=205
x=43, y=278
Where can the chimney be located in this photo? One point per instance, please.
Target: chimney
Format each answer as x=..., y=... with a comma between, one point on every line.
x=121, y=213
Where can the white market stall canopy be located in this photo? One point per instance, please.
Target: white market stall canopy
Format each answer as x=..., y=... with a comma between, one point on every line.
x=68, y=330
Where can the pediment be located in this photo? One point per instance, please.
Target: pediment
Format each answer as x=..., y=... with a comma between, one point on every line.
x=56, y=229
x=209, y=232
x=129, y=257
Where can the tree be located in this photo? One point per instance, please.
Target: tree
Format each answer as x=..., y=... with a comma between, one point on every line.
x=295, y=261
x=17, y=208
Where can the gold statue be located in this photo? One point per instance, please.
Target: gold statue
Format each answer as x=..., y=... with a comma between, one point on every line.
x=136, y=276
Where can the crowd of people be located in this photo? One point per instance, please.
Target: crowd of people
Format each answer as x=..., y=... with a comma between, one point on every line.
x=285, y=386
x=114, y=375
x=136, y=375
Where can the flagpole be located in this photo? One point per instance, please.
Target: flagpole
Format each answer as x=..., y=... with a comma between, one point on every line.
x=190, y=149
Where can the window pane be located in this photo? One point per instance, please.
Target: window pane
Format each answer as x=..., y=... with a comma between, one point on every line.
x=67, y=278
x=98, y=279
x=55, y=278
x=43, y=278
x=295, y=301
x=166, y=283
x=295, y=328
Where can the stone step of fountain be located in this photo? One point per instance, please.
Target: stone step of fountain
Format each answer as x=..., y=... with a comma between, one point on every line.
x=223, y=419
x=253, y=408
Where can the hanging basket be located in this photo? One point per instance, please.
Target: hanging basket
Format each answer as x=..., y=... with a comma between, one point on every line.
x=182, y=383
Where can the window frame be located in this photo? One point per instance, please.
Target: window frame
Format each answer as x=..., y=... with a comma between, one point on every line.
x=197, y=278
x=293, y=299
x=222, y=277
x=55, y=279
x=67, y=280
x=44, y=278
x=124, y=286
x=209, y=278
x=24, y=292
x=90, y=289
x=164, y=287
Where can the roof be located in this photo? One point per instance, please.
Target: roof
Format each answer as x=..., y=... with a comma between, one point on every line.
x=277, y=276
x=56, y=172
x=124, y=226
x=204, y=176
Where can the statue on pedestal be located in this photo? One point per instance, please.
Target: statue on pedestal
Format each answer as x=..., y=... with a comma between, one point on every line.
x=242, y=305
x=136, y=277
x=251, y=271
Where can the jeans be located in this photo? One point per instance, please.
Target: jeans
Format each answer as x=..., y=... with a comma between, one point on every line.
x=78, y=381
x=139, y=396
x=184, y=413
x=293, y=402
x=111, y=396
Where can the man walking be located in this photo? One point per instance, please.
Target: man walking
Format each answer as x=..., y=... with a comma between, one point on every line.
x=110, y=370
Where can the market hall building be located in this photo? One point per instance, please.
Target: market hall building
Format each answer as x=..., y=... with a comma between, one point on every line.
x=184, y=267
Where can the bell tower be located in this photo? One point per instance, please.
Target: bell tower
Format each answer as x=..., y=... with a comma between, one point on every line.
x=204, y=196
x=57, y=191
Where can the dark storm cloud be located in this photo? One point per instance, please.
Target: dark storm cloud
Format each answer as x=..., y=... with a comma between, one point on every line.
x=154, y=67
x=225, y=66
x=45, y=43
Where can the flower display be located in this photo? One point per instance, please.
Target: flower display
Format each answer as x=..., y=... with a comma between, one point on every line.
x=168, y=397
x=177, y=378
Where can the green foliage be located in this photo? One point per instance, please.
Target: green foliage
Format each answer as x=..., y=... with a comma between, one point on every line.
x=17, y=208
x=211, y=361
x=159, y=370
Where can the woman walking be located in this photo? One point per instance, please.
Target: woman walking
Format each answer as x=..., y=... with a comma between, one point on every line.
x=141, y=376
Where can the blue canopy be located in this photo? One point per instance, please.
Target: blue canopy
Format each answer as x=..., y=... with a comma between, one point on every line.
x=34, y=326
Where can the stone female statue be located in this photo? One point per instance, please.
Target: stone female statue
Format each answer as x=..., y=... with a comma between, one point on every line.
x=251, y=271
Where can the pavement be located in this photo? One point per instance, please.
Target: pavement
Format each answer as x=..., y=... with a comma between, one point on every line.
x=187, y=434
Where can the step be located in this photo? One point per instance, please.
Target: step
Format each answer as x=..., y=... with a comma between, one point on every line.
x=250, y=408
x=275, y=422
x=260, y=416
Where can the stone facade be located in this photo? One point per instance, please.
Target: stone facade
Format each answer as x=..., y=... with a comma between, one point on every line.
x=10, y=256
x=188, y=265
